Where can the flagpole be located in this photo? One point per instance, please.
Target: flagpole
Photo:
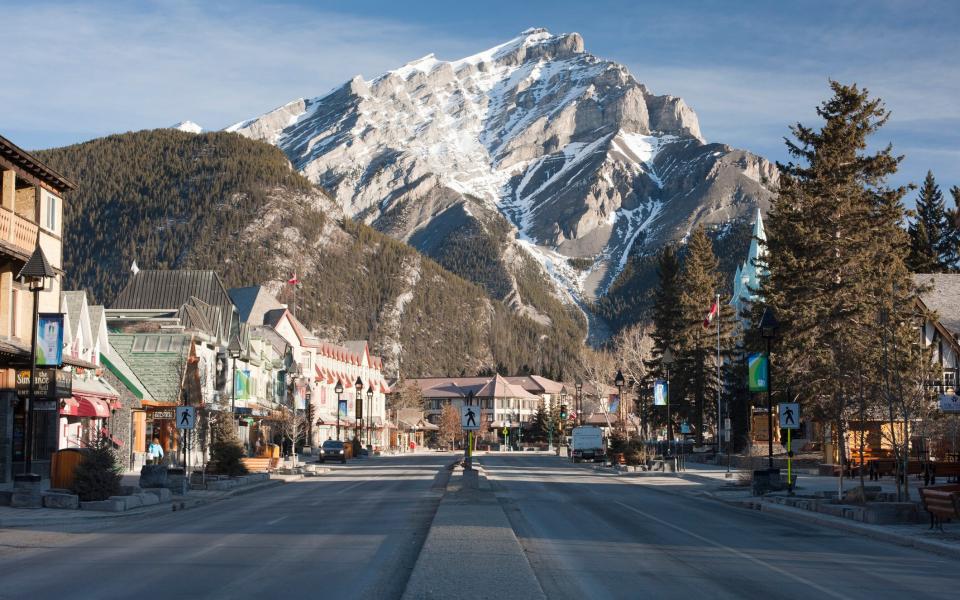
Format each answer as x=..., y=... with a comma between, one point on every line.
x=719, y=387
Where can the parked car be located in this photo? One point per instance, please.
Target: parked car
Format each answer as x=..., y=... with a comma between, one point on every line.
x=333, y=450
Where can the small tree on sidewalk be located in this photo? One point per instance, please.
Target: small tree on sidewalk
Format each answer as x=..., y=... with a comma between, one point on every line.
x=226, y=451
x=292, y=425
x=97, y=477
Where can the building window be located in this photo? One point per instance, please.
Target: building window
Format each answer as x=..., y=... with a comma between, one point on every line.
x=51, y=212
x=950, y=379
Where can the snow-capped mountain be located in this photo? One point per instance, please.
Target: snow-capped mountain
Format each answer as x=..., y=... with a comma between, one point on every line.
x=581, y=158
x=187, y=126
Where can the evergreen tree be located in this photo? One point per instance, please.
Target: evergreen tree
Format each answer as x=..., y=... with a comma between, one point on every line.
x=931, y=243
x=666, y=315
x=837, y=256
x=696, y=378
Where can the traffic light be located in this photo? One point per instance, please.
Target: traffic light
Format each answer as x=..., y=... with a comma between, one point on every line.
x=563, y=412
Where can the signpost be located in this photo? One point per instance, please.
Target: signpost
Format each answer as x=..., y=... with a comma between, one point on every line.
x=470, y=422
x=186, y=421
x=789, y=420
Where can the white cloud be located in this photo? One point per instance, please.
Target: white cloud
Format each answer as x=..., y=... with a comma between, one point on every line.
x=95, y=70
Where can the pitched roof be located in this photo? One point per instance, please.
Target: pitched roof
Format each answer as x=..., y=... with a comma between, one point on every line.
x=73, y=304
x=498, y=387
x=253, y=303
x=535, y=384
x=163, y=289
x=31, y=164
x=942, y=297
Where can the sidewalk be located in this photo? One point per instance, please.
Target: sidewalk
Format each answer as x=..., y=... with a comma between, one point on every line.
x=39, y=517
x=714, y=484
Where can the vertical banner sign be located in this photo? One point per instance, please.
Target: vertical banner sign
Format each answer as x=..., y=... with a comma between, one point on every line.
x=242, y=381
x=343, y=409
x=758, y=368
x=659, y=393
x=50, y=340
x=614, y=404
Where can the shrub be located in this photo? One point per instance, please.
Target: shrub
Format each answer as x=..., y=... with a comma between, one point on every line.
x=226, y=452
x=97, y=477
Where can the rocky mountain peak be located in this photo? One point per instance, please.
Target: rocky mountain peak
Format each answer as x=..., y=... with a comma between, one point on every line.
x=566, y=151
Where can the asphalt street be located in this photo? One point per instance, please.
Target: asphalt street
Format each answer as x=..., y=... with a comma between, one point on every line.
x=353, y=533
x=595, y=535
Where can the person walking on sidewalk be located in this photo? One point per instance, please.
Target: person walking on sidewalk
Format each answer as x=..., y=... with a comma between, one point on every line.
x=155, y=451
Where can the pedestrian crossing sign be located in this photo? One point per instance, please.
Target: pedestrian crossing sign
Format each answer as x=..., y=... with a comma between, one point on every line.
x=186, y=417
x=470, y=418
x=789, y=415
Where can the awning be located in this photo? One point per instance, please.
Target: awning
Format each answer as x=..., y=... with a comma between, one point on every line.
x=85, y=406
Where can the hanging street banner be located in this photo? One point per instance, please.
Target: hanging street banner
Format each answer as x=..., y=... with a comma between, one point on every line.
x=50, y=384
x=614, y=404
x=50, y=340
x=242, y=383
x=758, y=369
x=342, y=409
x=659, y=393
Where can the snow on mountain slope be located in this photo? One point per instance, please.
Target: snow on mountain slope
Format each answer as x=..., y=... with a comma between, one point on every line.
x=187, y=126
x=582, y=159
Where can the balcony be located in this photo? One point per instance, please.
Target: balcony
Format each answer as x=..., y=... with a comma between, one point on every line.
x=17, y=233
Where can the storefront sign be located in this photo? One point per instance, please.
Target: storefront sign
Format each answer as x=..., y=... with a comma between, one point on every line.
x=45, y=405
x=50, y=340
x=50, y=383
x=161, y=414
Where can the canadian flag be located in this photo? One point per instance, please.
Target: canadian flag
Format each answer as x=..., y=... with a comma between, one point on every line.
x=714, y=311
x=293, y=280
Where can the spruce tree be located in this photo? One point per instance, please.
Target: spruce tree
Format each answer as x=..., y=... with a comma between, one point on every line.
x=931, y=243
x=837, y=257
x=666, y=315
x=696, y=378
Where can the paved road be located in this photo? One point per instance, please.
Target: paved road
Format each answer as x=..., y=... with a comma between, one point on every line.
x=355, y=533
x=593, y=535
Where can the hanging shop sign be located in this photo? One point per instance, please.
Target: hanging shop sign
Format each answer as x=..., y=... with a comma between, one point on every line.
x=50, y=340
x=161, y=414
x=660, y=393
x=49, y=384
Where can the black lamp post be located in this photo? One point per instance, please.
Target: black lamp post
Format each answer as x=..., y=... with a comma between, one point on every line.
x=358, y=427
x=768, y=329
x=369, y=413
x=619, y=382
x=667, y=361
x=578, y=385
x=34, y=273
x=234, y=350
x=339, y=390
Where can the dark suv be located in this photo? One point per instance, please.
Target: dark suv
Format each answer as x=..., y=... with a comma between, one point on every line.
x=333, y=450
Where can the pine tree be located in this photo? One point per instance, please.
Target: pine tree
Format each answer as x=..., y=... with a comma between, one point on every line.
x=837, y=256
x=696, y=377
x=931, y=243
x=666, y=315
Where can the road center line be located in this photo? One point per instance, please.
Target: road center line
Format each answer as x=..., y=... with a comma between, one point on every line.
x=752, y=559
x=277, y=520
x=350, y=487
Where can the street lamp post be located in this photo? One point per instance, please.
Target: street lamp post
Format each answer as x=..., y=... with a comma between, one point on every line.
x=579, y=387
x=768, y=329
x=358, y=426
x=234, y=349
x=339, y=390
x=35, y=272
x=619, y=382
x=667, y=360
x=369, y=414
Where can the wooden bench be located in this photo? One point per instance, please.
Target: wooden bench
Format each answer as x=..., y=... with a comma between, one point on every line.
x=878, y=467
x=942, y=502
x=260, y=464
x=940, y=469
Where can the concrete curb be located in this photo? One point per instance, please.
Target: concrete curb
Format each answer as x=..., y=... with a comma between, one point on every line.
x=870, y=531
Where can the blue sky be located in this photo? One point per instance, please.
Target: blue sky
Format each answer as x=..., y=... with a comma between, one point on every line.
x=749, y=69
